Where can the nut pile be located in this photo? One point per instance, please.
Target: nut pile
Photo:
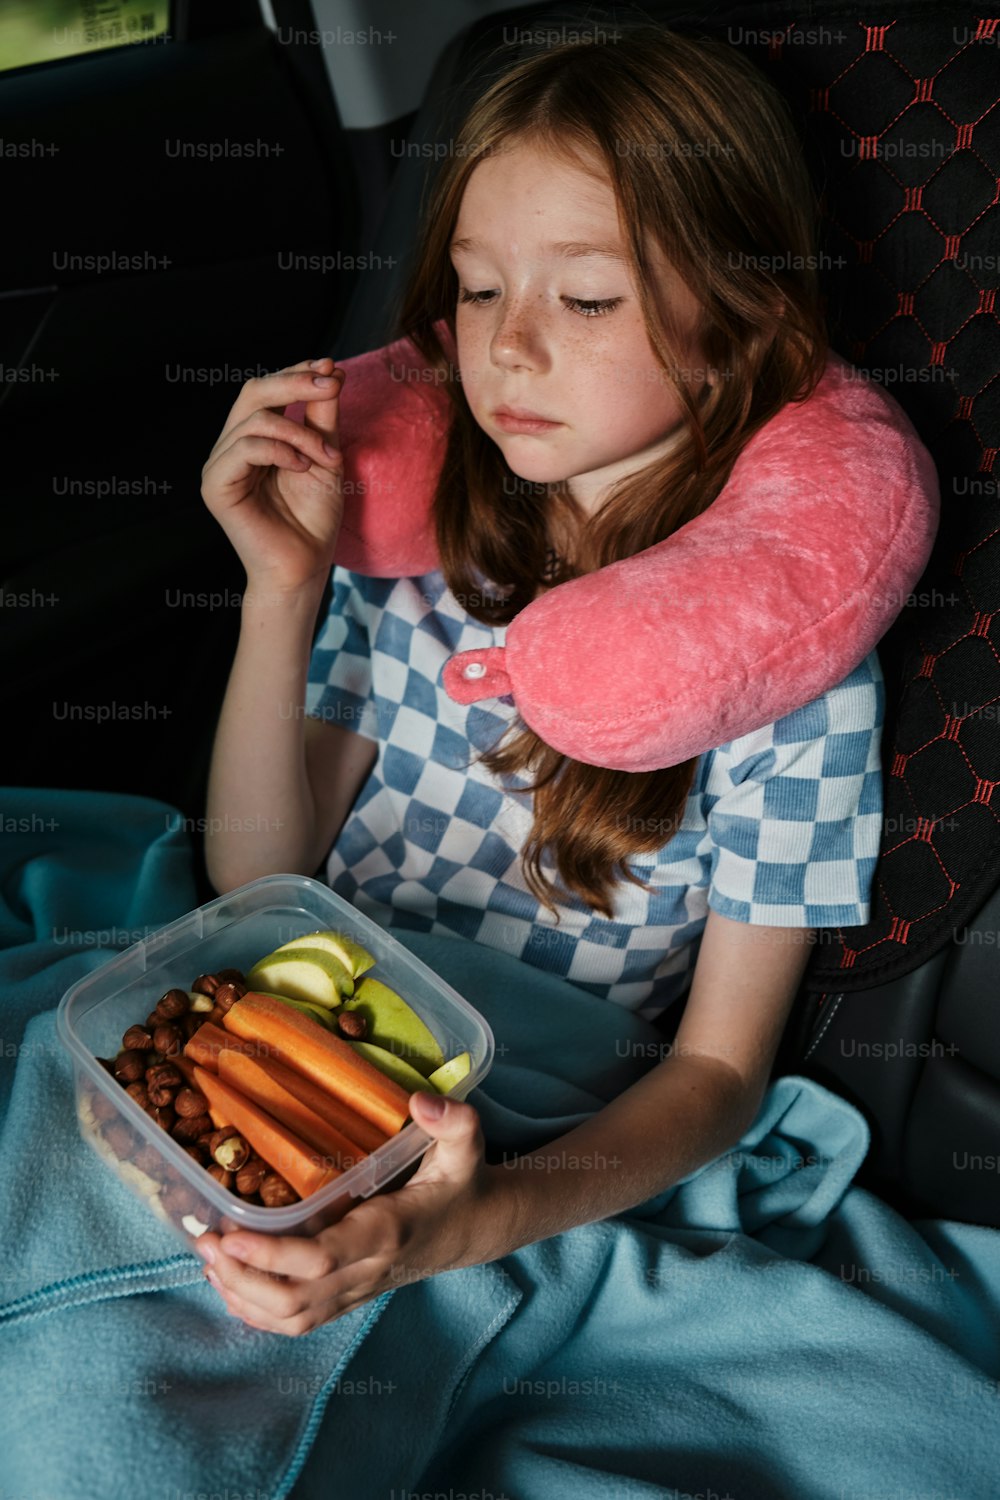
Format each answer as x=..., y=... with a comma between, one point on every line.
x=144, y=1069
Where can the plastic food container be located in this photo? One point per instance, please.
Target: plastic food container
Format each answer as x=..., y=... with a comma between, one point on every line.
x=234, y=931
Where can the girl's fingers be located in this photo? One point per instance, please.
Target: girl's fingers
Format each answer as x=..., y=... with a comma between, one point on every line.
x=281, y=1255
x=299, y=1324
x=341, y=1257
x=324, y=415
x=271, y=424
x=231, y=468
x=259, y=1292
x=283, y=388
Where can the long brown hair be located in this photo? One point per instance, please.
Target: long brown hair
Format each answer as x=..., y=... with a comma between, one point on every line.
x=713, y=171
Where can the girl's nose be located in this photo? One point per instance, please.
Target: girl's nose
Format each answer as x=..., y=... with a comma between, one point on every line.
x=516, y=341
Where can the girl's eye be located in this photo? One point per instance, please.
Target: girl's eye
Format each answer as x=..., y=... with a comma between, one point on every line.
x=594, y=309
x=586, y=308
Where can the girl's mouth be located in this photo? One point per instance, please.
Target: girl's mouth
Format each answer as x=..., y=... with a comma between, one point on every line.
x=511, y=422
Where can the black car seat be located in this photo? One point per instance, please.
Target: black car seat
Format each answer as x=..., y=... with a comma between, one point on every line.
x=897, y=114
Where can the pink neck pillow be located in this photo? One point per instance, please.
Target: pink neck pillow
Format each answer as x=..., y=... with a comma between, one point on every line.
x=770, y=597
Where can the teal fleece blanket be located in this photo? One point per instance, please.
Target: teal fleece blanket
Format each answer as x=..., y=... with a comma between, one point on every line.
x=762, y=1330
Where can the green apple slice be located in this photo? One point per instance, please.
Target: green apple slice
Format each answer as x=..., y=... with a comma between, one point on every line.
x=303, y=974
x=445, y=1078
x=321, y=1013
x=394, y=1025
x=394, y=1067
x=354, y=958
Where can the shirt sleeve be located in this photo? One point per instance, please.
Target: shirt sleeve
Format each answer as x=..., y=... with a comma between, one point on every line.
x=339, y=681
x=796, y=822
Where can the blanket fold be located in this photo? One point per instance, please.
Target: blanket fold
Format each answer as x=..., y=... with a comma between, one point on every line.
x=761, y=1329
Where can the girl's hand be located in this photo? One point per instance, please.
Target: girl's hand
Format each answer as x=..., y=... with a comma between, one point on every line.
x=448, y=1215
x=275, y=486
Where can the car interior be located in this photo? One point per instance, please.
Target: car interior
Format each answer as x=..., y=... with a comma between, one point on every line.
x=126, y=366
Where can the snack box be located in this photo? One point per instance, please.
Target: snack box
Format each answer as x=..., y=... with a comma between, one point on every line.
x=234, y=931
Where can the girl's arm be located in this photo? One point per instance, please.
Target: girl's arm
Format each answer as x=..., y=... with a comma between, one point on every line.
x=260, y=813
x=304, y=772
x=275, y=487
x=458, y=1211
x=693, y=1105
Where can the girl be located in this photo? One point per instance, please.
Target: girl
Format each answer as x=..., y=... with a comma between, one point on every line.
x=600, y=244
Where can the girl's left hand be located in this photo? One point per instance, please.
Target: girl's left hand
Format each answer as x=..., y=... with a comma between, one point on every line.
x=448, y=1215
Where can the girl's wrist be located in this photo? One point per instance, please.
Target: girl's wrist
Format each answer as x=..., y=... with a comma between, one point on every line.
x=264, y=593
x=504, y=1213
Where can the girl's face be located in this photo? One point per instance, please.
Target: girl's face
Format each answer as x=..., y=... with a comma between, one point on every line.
x=554, y=328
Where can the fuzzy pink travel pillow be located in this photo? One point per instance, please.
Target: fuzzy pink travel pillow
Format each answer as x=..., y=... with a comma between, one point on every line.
x=768, y=599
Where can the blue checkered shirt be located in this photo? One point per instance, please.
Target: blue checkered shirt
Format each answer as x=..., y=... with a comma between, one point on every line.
x=781, y=827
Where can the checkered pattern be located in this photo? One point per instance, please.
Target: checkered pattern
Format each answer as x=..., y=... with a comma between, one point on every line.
x=781, y=826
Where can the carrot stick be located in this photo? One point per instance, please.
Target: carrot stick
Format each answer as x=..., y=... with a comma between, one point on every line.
x=342, y=1117
x=328, y=1060
x=275, y=1143
x=209, y=1040
x=255, y=1081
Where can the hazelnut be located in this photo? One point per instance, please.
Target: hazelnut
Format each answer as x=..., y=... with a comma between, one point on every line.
x=195, y=1155
x=138, y=1092
x=228, y=1148
x=162, y=1114
x=235, y=976
x=190, y=1127
x=224, y=1178
x=164, y=1073
x=351, y=1024
x=160, y=1095
x=206, y=984
x=173, y=1004
x=168, y=1039
x=130, y=1066
x=189, y=1024
x=275, y=1192
x=227, y=995
x=191, y=1103
x=250, y=1176
x=107, y=1064
x=179, y=1200
x=103, y=1107
x=119, y=1138
x=152, y=1021
x=148, y=1159
x=137, y=1039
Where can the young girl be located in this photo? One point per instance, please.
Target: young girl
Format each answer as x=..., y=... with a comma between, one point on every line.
x=601, y=244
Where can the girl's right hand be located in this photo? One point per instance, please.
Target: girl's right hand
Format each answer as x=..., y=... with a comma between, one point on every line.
x=271, y=483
